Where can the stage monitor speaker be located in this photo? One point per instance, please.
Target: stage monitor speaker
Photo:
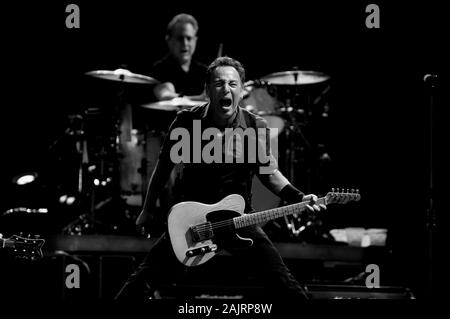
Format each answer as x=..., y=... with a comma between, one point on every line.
x=357, y=292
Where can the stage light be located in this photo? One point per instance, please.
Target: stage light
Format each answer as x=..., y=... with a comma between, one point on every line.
x=63, y=199
x=67, y=199
x=25, y=178
x=70, y=200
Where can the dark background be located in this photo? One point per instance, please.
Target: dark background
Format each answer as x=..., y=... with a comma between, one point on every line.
x=379, y=116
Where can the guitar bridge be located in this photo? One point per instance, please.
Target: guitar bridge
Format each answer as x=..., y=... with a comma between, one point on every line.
x=201, y=250
x=202, y=232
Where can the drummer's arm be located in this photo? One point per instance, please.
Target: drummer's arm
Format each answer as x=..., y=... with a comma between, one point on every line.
x=165, y=91
x=199, y=97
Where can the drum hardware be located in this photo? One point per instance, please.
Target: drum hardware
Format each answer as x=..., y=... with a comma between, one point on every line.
x=111, y=170
x=287, y=95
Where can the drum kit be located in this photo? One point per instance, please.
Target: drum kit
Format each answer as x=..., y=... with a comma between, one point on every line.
x=117, y=173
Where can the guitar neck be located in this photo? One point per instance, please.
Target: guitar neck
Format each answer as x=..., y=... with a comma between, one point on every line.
x=271, y=214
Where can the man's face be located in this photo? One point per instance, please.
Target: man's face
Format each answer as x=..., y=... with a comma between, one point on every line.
x=225, y=91
x=182, y=42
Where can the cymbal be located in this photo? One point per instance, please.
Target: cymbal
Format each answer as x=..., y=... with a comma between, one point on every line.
x=175, y=104
x=122, y=75
x=295, y=77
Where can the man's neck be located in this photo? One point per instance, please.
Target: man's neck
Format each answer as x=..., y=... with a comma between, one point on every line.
x=221, y=122
x=185, y=66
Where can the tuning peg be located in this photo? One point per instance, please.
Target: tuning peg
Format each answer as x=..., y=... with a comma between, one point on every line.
x=21, y=234
x=37, y=236
x=332, y=189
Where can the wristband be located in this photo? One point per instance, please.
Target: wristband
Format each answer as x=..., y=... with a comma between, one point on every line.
x=290, y=194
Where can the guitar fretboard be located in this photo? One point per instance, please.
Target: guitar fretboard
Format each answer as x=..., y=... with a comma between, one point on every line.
x=271, y=214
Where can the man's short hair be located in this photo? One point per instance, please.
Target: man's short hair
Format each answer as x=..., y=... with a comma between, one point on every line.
x=182, y=18
x=225, y=61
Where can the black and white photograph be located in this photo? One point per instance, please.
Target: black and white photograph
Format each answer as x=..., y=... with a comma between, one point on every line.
x=222, y=158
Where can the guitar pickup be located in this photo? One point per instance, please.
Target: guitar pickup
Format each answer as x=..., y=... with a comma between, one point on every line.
x=201, y=250
x=202, y=232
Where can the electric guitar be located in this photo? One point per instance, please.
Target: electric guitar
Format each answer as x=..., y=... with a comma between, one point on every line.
x=21, y=247
x=197, y=230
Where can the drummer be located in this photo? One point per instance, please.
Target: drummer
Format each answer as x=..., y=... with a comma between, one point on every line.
x=178, y=72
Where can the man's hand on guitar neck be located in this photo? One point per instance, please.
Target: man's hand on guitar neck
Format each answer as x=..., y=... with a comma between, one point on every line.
x=313, y=206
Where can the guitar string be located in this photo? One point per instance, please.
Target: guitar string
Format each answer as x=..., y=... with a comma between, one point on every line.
x=205, y=227
x=230, y=221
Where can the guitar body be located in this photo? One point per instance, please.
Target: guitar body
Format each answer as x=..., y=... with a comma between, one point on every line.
x=193, y=239
x=198, y=230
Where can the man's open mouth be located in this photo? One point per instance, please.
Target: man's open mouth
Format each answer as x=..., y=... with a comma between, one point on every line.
x=225, y=101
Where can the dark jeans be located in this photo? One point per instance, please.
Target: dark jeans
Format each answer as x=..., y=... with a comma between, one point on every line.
x=261, y=260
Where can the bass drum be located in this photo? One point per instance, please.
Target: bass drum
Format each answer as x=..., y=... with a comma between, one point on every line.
x=153, y=143
x=258, y=100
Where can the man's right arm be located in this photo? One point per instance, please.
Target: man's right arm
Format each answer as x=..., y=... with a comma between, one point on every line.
x=158, y=179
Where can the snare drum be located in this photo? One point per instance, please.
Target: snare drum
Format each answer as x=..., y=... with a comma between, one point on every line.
x=258, y=100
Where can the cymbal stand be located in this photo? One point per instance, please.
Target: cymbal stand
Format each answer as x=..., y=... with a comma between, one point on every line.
x=295, y=133
x=86, y=222
x=121, y=132
x=106, y=174
x=432, y=84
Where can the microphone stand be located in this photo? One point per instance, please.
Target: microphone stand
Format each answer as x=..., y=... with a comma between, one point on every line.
x=431, y=81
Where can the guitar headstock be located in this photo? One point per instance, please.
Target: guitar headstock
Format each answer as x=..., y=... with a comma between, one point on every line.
x=338, y=196
x=24, y=247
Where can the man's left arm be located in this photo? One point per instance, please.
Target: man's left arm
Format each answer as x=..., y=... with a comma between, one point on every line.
x=280, y=185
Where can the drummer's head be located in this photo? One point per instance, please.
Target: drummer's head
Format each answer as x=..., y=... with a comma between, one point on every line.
x=224, y=85
x=181, y=37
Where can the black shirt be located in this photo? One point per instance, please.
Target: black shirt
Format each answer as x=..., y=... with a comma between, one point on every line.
x=210, y=182
x=186, y=83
